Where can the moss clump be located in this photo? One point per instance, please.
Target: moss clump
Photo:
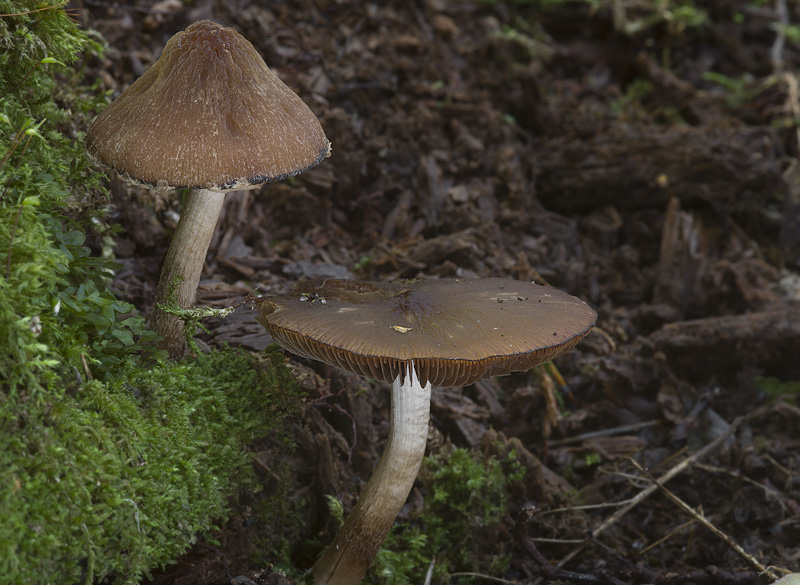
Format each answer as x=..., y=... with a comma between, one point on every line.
x=108, y=467
x=466, y=497
x=121, y=476
x=56, y=312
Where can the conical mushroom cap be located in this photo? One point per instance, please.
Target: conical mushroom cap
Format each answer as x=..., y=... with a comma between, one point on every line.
x=209, y=114
x=454, y=331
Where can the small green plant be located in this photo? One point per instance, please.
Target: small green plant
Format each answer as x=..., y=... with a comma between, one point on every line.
x=676, y=15
x=336, y=509
x=362, y=263
x=791, y=31
x=774, y=387
x=742, y=90
x=633, y=18
x=466, y=497
x=637, y=91
x=403, y=567
x=592, y=459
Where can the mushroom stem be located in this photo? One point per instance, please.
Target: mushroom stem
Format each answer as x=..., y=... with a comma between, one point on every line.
x=185, y=257
x=348, y=557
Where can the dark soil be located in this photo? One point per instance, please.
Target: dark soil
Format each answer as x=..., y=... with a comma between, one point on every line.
x=579, y=147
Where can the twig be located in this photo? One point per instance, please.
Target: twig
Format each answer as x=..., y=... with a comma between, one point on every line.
x=666, y=537
x=776, y=51
x=783, y=499
x=702, y=519
x=604, y=334
x=545, y=568
x=788, y=409
x=646, y=492
x=641, y=573
x=767, y=489
x=429, y=572
x=17, y=140
x=86, y=369
x=793, y=101
x=55, y=6
x=323, y=401
x=482, y=576
x=557, y=540
x=585, y=507
x=604, y=433
x=12, y=149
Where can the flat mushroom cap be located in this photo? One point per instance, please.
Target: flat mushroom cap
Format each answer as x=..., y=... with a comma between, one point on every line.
x=454, y=331
x=208, y=114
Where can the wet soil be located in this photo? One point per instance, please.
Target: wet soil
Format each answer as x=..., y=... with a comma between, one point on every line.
x=615, y=151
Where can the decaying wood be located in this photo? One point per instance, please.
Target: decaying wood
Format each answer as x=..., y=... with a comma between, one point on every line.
x=725, y=345
x=640, y=168
x=679, y=259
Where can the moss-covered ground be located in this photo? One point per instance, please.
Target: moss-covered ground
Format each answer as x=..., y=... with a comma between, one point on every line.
x=112, y=460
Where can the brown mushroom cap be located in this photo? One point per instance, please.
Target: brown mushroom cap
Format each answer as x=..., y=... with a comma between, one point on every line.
x=208, y=114
x=454, y=331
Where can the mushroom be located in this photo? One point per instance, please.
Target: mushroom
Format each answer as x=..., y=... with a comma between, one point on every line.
x=208, y=115
x=416, y=334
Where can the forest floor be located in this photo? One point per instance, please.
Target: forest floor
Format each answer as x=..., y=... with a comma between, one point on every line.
x=638, y=155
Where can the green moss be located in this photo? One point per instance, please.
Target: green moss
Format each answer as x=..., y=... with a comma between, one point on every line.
x=119, y=477
x=466, y=497
x=112, y=461
x=55, y=306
